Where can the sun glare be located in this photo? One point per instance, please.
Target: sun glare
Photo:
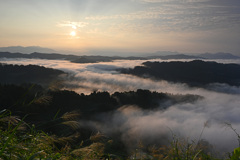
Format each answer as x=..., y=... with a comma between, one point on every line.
x=73, y=33
x=74, y=27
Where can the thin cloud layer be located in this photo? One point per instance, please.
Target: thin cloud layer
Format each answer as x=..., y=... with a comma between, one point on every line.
x=73, y=25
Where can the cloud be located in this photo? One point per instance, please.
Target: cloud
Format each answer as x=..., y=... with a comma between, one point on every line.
x=185, y=120
x=174, y=16
x=71, y=24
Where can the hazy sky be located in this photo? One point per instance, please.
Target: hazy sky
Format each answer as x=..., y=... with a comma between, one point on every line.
x=125, y=25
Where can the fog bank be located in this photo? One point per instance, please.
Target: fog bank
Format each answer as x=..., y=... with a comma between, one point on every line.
x=220, y=104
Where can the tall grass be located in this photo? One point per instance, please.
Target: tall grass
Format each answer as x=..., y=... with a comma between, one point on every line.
x=20, y=141
x=235, y=155
x=26, y=144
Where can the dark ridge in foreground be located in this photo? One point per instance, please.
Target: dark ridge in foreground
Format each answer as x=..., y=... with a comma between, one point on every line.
x=194, y=73
x=44, y=104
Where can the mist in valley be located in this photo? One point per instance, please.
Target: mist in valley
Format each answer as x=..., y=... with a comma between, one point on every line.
x=203, y=119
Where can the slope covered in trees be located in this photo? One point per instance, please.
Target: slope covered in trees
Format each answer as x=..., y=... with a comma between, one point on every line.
x=195, y=73
x=16, y=98
x=18, y=74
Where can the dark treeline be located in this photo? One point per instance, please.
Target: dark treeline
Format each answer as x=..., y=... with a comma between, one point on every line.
x=35, y=100
x=18, y=74
x=194, y=73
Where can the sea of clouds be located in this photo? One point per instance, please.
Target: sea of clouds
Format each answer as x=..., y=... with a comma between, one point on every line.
x=221, y=103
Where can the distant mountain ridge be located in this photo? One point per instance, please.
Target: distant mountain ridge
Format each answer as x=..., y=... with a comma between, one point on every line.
x=38, y=55
x=26, y=50
x=219, y=55
x=175, y=56
x=97, y=58
x=72, y=58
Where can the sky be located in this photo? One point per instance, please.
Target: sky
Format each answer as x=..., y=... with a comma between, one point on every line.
x=190, y=26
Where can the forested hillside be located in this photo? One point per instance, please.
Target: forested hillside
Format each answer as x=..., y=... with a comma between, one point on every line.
x=18, y=74
x=195, y=73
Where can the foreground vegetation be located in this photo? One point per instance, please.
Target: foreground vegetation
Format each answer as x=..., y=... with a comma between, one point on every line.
x=19, y=140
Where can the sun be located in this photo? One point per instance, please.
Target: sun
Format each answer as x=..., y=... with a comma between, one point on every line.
x=73, y=33
x=74, y=27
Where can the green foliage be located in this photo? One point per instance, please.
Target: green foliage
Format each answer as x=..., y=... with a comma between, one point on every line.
x=16, y=143
x=236, y=154
x=26, y=143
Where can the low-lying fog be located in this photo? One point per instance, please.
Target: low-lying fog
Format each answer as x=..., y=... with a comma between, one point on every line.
x=221, y=104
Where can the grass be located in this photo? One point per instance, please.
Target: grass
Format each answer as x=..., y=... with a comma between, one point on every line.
x=19, y=141
x=22, y=141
